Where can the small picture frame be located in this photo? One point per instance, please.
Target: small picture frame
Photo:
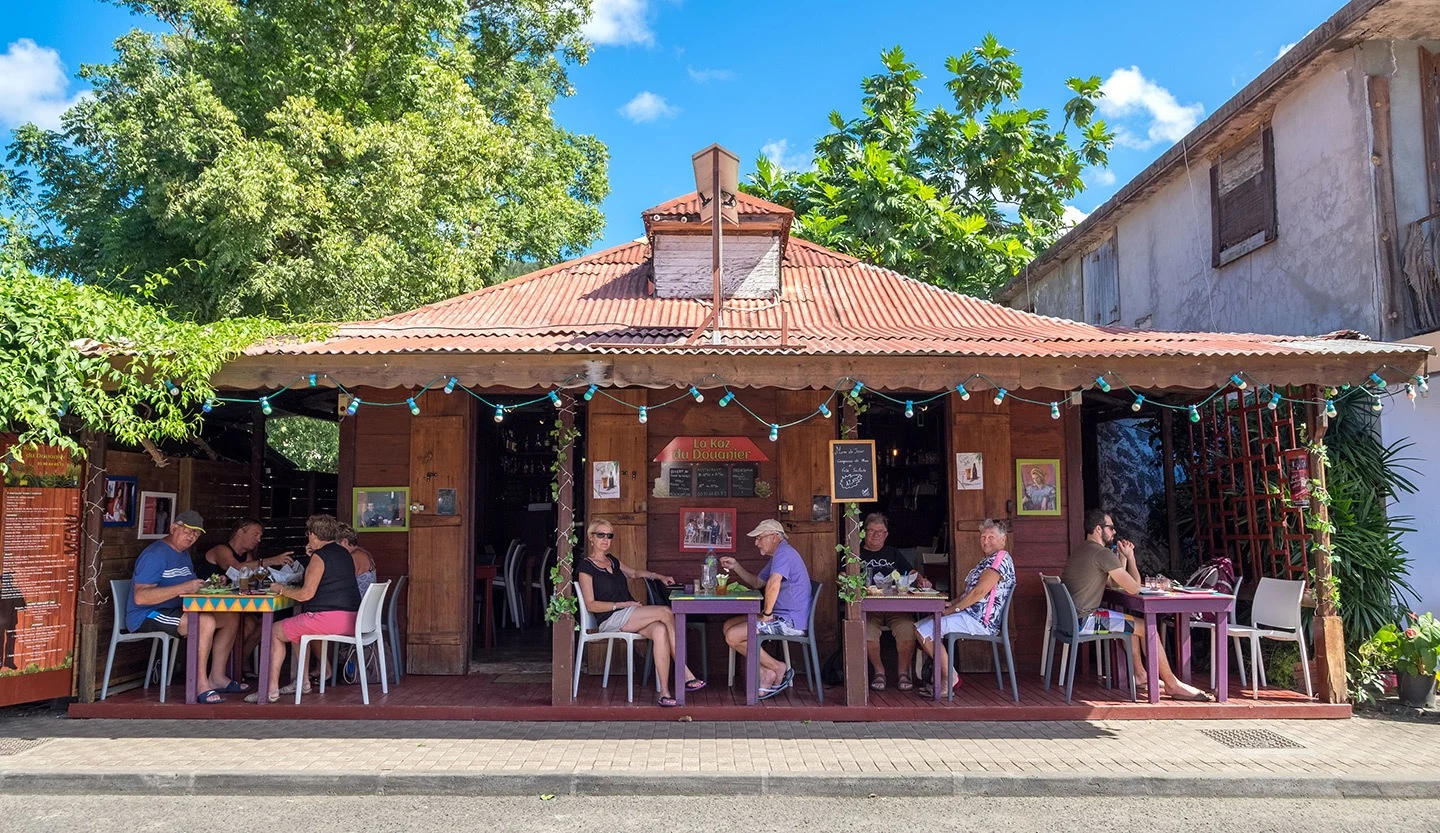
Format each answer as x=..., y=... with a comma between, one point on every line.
x=155, y=512
x=820, y=508
x=1037, y=487
x=381, y=509
x=707, y=529
x=119, y=501
x=445, y=501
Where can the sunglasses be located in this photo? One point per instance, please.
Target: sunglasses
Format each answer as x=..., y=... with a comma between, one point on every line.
x=606, y=535
x=1109, y=526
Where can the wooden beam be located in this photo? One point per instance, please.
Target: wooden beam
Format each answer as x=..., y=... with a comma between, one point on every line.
x=1383, y=174
x=1327, y=632
x=257, y=459
x=1430, y=121
x=87, y=595
x=562, y=633
x=853, y=627
x=1167, y=459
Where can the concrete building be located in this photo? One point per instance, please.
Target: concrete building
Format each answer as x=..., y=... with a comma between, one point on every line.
x=1308, y=203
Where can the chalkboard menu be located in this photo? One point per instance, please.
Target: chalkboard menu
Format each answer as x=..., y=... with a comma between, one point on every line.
x=742, y=480
x=712, y=481
x=680, y=485
x=852, y=470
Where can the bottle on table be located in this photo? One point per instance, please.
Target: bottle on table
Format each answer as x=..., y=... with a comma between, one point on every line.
x=708, y=571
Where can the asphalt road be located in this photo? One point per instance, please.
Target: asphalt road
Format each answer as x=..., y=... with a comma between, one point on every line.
x=110, y=813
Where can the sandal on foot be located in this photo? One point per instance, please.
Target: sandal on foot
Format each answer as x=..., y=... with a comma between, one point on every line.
x=1197, y=697
x=209, y=697
x=905, y=683
x=877, y=682
x=289, y=688
x=694, y=685
x=234, y=687
x=254, y=697
x=667, y=701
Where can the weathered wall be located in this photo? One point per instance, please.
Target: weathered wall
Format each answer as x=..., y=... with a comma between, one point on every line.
x=1420, y=425
x=751, y=267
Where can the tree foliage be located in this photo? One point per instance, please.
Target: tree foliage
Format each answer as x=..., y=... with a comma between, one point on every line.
x=311, y=444
x=324, y=161
x=961, y=196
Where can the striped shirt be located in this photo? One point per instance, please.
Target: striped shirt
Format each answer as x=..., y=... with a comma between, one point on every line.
x=163, y=566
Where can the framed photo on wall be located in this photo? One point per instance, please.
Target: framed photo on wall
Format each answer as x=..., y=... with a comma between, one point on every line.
x=156, y=510
x=381, y=509
x=707, y=529
x=1037, y=487
x=120, y=495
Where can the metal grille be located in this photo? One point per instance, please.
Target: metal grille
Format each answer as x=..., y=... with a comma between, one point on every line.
x=1250, y=739
x=14, y=746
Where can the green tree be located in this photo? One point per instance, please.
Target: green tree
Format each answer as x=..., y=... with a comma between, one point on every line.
x=960, y=196
x=311, y=444
x=296, y=159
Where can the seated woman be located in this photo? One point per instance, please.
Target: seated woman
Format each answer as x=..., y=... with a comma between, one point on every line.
x=364, y=561
x=604, y=585
x=330, y=595
x=987, y=590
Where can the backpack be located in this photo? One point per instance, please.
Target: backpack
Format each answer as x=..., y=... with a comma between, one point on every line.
x=1217, y=574
x=832, y=673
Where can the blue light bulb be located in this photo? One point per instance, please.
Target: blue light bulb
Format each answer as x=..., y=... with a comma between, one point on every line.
x=1000, y=397
x=1101, y=383
x=1194, y=414
x=1377, y=381
x=265, y=405
x=1237, y=381
x=725, y=400
x=1423, y=383
x=909, y=408
x=960, y=389
x=855, y=391
x=450, y=384
x=1330, y=408
x=554, y=399
x=824, y=410
x=590, y=393
x=774, y=432
x=312, y=380
x=1275, y=399
x=208, y=406
x=414, y=409
x=172, y=388
x=644, y=414
x=1138, y=403
x=499, y=413
x=1054, y=410
x=353, y=406
x=699, y=397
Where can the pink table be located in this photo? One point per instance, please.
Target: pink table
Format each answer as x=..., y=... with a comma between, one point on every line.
x=1182, y=605
x=910, y=604
x=747, y=605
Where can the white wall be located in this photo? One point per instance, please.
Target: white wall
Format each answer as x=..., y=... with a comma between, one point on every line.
x=750, y=268
x=1421, y=426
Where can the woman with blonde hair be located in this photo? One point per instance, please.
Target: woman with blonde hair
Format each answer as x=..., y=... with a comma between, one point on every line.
x=603, y=582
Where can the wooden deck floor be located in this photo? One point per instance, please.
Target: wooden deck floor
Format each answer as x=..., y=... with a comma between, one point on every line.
x=526, y=697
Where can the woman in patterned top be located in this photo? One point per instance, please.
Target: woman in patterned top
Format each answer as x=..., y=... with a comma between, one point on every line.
x=987, y=590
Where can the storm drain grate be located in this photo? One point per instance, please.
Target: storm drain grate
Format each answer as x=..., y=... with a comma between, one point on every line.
x=14, y=746
x=1251, y=739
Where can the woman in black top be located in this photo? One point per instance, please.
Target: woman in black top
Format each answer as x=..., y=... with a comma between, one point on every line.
x=603, y=586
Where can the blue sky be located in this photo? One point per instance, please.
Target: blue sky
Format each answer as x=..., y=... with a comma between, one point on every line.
x=668, y=77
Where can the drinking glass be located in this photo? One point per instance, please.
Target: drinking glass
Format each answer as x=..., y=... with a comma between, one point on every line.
x=722, y=584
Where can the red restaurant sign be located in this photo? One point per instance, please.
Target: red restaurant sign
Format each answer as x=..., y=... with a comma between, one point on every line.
x=711, y=450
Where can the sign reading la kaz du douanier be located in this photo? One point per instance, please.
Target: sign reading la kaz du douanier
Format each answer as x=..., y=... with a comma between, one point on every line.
x=711, y=449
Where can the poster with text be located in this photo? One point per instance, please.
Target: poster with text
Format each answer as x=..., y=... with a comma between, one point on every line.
x=969, y=471
x=605, y=479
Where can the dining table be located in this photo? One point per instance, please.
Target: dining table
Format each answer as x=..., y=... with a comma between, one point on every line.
x=745, y=603
x=1151, y=604
x=927, y=603
x=265, y=604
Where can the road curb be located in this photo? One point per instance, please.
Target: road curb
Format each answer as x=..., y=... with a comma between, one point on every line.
x=1008, y=785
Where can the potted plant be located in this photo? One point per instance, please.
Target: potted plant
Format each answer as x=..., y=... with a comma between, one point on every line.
x=1414, y=649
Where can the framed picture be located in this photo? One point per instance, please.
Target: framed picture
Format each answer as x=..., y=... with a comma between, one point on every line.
x=819, y=507
x=156, y=510
x=119, y=501
x=445, y=501
x=1037, y=487
x=381, y=509
x=969, y=471
x=707, y=529
x=604, y=479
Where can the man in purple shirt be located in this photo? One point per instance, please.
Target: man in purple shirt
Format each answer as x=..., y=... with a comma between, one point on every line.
x=785, y=608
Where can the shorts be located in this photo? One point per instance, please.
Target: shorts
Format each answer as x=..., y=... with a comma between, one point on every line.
x=615, y=622
x=325, y=623
x=961, y=622
x=1107, y=621
x=778, y=626
x=160, y=621
x=901, y=625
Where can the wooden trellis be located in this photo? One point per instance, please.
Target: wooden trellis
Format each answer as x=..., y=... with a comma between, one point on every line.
x=1242, y=498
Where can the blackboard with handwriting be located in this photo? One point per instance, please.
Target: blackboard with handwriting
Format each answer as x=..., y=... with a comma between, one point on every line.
x=712, y=481
x=742, y=480
x=852, y=470
x=680, y=485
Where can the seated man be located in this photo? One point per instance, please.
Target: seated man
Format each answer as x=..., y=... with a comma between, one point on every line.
x=163, y=573
x=785, y=607
x=1091, y=568
x=988, y=588
x=879, y=558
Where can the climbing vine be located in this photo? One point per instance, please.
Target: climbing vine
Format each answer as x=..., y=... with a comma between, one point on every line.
x=850, y=584
x=562, y=601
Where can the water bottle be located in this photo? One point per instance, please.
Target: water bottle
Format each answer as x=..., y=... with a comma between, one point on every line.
x=708, y=571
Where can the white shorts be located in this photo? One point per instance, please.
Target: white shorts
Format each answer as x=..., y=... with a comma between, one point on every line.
x=961, y=621
x=615, y=622
x=778, y=627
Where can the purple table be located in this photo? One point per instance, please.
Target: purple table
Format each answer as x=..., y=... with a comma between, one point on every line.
x=1181, y=604
x=748, y=605
x=263, y=604
x=910, y=604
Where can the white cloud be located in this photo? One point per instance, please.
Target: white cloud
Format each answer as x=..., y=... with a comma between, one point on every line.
x=1289, y=46
x=778, y=151
x=1072, y=216
x=618, y=23
x=647, y=106
x=33, y=85
x=1129, y=95
x=705, y=76
x=1103, y=177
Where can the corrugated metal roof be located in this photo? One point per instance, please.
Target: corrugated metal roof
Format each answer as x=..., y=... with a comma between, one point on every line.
x=688, y=205
x=829, y=304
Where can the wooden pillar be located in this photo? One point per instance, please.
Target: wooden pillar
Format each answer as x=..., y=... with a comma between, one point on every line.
x=87, y=595
x=562, y=633
x=257, y=460
x=1383, y=179
x=1327, y=635
x=1167, y=459
x=853, y=628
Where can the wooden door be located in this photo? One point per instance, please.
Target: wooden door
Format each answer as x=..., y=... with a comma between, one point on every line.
x=441, y=549
x=977, y=426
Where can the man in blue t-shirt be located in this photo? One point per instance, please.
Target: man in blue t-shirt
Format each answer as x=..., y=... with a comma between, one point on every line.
x=163, y=573
x=785, y=608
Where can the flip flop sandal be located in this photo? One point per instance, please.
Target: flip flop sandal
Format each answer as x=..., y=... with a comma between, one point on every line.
x=210, y=697
x=905, y=683
x=667, y=701
x=254, y=697
x=767, y=693
x=234, y=687
x=694, y=685
x=877, y=682
x=1197, y=697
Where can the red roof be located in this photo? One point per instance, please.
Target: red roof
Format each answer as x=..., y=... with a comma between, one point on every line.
x=689, y=206
x=829, y=304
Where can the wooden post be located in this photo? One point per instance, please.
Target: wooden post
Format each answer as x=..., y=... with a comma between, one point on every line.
x=257, y=460
x=1383, y=179
x=87, y=595
x=562, y=634
x=1327, y=635
x=1167, y=458
x=853, y=628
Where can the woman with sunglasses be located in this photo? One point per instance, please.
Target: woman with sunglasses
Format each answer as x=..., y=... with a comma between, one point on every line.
x=604, y=585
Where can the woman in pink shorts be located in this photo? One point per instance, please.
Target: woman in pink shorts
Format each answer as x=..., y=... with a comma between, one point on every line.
x=330, y=594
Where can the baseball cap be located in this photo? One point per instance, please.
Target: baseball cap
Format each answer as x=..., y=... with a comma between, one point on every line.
x=767, y=527
x=190, y=518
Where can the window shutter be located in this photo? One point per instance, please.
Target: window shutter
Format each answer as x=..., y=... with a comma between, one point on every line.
x=1242, y=199
x=1100, y=276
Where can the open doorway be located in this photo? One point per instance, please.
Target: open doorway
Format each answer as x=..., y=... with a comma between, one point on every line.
x=910, y=461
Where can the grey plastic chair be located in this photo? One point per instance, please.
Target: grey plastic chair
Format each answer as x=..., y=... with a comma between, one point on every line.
x=654, y=595
x=169, y=645
x=392, y=630
x=806, y=641
x=1002, y=638
x=1065, y=631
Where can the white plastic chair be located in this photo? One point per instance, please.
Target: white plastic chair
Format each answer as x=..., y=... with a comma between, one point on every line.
x=1200, y=624
x=368, y=631
x=508, y=581
x=541, y=584
x=169, y=646
x=1049, y=623
x=589, y=632
x=1274, y=614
